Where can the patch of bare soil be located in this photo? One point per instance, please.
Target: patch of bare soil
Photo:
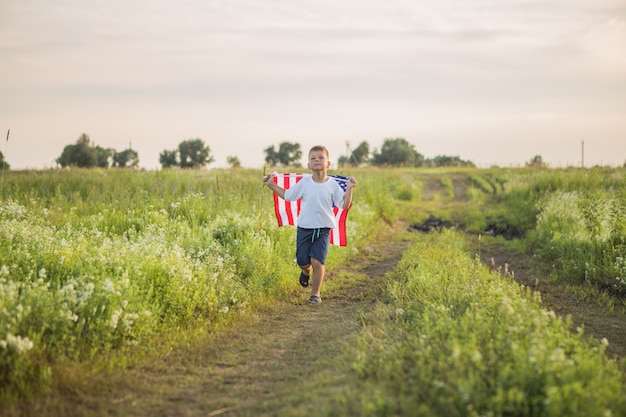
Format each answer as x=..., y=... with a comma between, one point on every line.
x=265, y=365
x=597, y=321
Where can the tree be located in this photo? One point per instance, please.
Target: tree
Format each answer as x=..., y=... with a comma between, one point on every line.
x=288, y=154
x=397, y=152
x=536, y=162
x=168, y=159
x=191, y=153
x=448, y=161
x=85, y=154
x=271, y=156
x=126, y=159
x=361, y=154
x=3, y=164
x=82, y=154
x=233, y=161
x=104, y=157
x=194, y=153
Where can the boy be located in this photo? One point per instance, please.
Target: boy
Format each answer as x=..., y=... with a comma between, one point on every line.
x=318, y=192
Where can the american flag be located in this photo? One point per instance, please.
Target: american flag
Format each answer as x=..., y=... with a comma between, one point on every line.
x=287, y=211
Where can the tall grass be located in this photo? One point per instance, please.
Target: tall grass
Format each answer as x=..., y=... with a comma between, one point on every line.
x=95, y=261
x=92, y=261
x=455, y=339
x=574, y=221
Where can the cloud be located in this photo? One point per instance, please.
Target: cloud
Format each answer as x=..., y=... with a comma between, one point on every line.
x=258, y=72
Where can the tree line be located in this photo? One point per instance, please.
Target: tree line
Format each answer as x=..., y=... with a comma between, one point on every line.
x=85, y=154
x=195, y=153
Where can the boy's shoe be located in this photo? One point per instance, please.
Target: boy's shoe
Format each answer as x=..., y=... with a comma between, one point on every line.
x=304, y=279
x=314, y=299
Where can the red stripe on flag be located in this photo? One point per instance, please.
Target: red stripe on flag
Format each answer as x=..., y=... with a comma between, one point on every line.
x=277, y=210
x=286, y=211
x=338, y=235
x=278, y=206
x=288, y=208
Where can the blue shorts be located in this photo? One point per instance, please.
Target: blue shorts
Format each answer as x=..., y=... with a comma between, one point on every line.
x=312, y=243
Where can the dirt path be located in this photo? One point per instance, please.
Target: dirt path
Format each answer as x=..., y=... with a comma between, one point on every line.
x=265, y=365
x=271, y=362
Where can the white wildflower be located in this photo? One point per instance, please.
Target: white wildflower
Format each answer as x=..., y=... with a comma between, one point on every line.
x=69, y=315
x=108, y=286
x=128, y=320
x=19, y=343
x=115, y=318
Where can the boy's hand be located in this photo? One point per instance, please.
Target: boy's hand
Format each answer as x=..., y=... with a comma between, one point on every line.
x=351, y=182
x=268, y=178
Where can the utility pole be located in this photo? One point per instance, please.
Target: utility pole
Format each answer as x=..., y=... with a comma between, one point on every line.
x=582, y=158
x=348, y=152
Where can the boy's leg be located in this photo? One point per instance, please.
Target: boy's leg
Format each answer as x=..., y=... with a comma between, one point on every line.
x=305, y=275
x=303, y=247
x=311, y=253
x=318, y=276
x=319, y=252
x=306, y=269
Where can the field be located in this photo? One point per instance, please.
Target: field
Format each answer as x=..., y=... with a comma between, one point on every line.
x=97, y=266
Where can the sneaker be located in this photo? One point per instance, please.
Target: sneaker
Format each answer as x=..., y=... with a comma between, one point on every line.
x=314, y=299
x=304, y=279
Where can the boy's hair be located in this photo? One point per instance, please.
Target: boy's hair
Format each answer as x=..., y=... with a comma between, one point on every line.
x=319, y=148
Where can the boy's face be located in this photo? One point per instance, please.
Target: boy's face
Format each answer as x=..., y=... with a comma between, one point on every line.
x=318, y=161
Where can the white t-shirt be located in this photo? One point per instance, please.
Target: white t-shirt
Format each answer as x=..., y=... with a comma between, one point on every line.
x=317, y=201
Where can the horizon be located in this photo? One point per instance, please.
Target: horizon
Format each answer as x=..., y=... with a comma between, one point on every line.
x=334, y=162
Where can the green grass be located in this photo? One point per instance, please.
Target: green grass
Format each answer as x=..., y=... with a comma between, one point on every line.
x=95, y=261
x=101, y=261
x=455, y=339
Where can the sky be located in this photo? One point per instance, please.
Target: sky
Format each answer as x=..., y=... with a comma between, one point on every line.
x=491, y=81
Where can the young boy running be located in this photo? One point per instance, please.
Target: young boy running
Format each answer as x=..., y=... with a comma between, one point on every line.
x=318, y=192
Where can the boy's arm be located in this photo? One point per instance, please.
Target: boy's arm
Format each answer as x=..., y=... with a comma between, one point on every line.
x=269, y=181
x=347, y=197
